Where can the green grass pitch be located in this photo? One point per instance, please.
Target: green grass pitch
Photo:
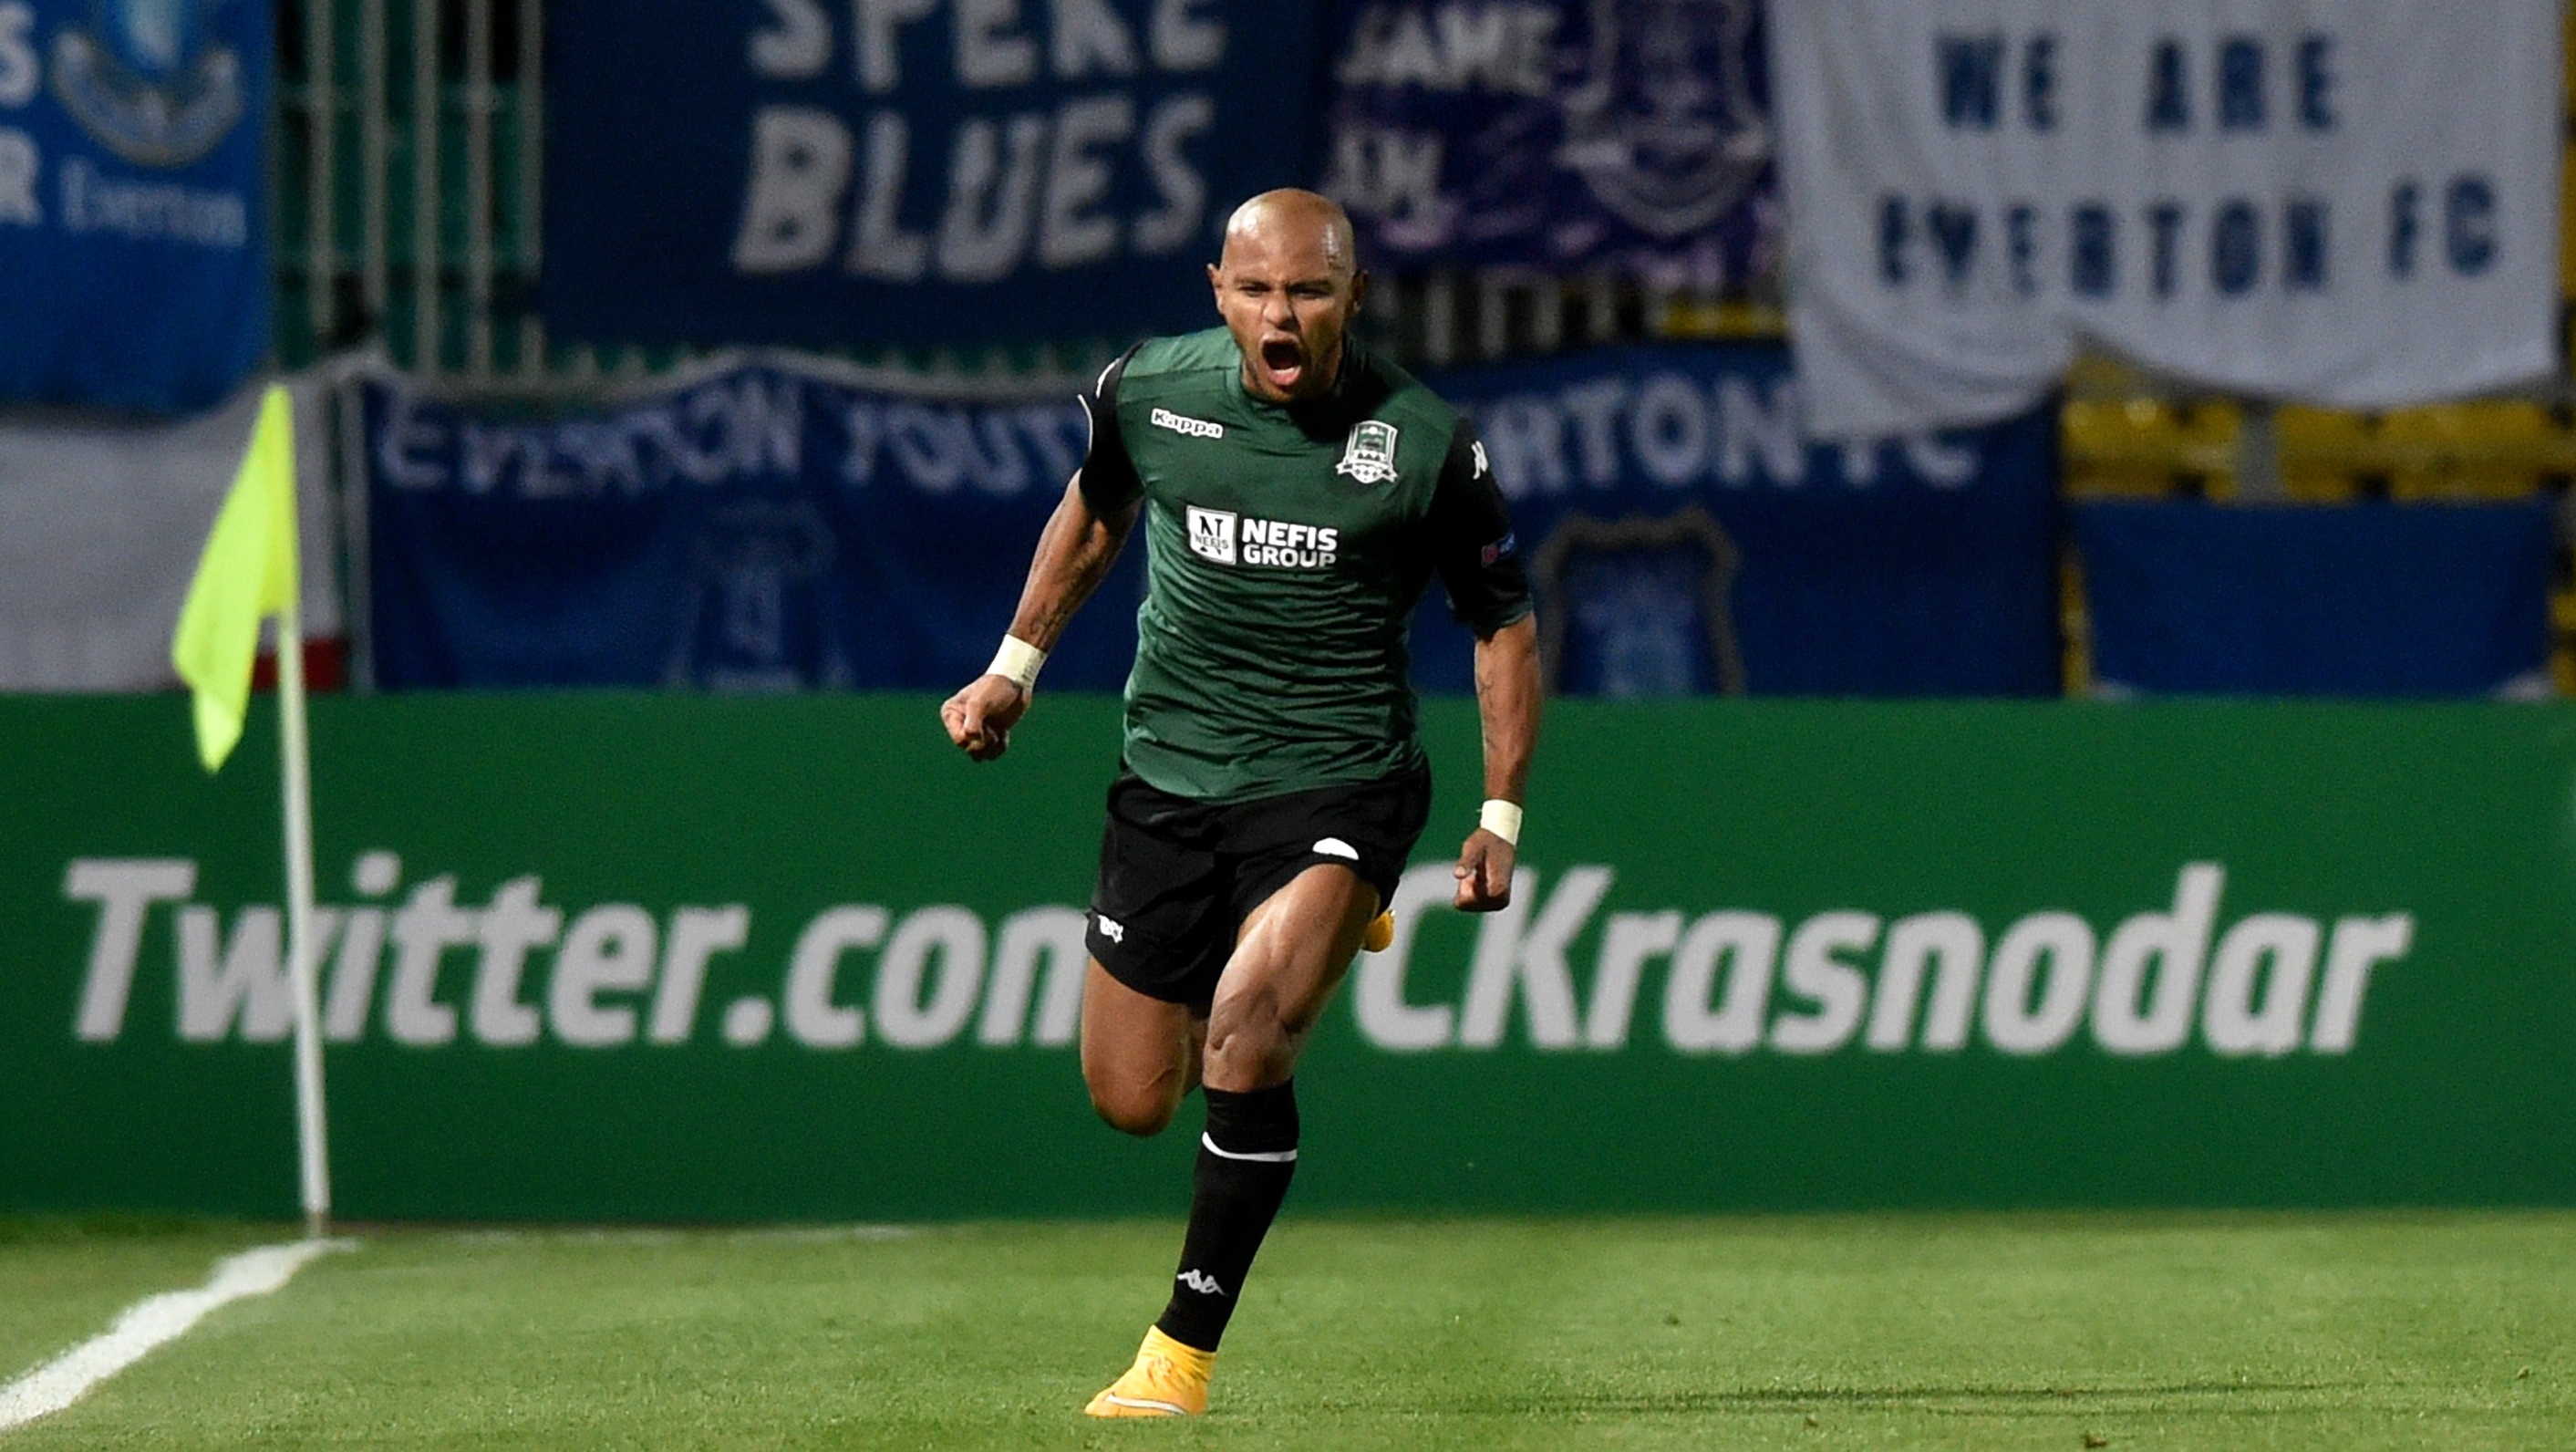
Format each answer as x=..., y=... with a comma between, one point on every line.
x=2007, y=1331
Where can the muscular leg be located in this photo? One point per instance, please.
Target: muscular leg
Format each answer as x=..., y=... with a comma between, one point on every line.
x=1287, y=961
x=1139, y=1054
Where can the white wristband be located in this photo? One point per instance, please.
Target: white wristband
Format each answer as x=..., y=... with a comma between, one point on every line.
x=1017, y=662
x=1501, y=818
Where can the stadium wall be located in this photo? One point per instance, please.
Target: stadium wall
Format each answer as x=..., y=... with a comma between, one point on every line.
x=628, y=957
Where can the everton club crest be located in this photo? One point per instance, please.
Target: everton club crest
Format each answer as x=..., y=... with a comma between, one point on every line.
x=148, y=79
x=1663, y=127
x=1369, y=457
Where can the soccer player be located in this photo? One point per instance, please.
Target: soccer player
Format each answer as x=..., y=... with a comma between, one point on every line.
x=1298, y=493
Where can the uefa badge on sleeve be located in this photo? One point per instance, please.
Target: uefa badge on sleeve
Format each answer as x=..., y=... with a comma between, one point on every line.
x=1369, y=457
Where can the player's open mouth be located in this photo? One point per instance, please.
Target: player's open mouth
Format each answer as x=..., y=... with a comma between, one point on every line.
x=1284, y=361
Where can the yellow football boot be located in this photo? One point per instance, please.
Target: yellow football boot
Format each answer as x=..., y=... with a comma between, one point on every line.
x=1381, y=932
x=1168, y=1380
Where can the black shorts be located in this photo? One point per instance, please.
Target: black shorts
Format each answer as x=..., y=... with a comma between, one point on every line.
x=1178, y=877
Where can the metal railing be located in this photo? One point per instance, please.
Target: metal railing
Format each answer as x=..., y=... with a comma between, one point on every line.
x=409, y=162
x=1473, y=317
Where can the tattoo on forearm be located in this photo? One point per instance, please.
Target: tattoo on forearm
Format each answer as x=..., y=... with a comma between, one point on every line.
x=1067, y=571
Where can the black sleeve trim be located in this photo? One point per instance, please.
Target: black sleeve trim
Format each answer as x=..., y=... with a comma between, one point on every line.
x=1473, y=547
x=1109, y=480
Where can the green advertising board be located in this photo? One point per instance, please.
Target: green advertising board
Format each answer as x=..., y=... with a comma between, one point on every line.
x=674, y=958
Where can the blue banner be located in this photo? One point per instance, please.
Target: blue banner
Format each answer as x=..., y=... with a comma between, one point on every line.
x=133, y=236
x=765, y=527
x=827, y=174
x=2364, y=600
x=1631, y=136
x=1686, y=536
x=772, y=524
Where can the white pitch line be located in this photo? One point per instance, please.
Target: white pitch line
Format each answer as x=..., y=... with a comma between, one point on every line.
x=149, y=1322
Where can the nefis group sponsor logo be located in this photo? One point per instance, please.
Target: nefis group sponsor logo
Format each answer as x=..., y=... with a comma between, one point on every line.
x=1225, y=538
x=418, y=967
x=1212, y=534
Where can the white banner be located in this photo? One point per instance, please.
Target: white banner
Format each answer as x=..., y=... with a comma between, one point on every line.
x=2345, y=202
x=101, y=524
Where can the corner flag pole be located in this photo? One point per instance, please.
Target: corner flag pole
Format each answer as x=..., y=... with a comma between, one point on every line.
x=248, y=573
x=295, y=777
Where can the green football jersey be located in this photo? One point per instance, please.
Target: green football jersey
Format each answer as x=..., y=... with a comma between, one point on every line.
x=1287, y=546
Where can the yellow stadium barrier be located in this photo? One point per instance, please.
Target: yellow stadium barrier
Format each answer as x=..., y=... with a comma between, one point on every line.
x=2470, y=450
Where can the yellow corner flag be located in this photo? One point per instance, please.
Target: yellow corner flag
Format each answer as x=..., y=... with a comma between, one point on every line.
x=247, y=574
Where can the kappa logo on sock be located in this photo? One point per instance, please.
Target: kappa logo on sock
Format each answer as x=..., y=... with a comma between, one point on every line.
x=1201, y=1282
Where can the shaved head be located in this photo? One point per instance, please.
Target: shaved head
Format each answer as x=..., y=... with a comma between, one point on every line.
x=1287, y=213
x=1287, y=285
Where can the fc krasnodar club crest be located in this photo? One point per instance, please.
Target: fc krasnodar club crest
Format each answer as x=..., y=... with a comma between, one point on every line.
x=148, y=80
x=1663, y=127
x=1369, y=457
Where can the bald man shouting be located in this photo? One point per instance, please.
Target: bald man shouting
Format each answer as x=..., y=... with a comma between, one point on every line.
x=1298, y=494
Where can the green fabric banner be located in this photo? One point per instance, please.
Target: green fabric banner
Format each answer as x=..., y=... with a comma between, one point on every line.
x=677, y=958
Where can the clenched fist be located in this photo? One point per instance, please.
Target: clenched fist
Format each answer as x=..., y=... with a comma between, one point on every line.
x=980, y=717
x=1484, y=873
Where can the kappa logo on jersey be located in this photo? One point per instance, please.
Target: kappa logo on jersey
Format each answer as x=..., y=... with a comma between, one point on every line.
x=1478, y=449
x=1196, y=428
x=1110, y=928
x=1369, y=457
x=1229, y=539
x=1212, y=534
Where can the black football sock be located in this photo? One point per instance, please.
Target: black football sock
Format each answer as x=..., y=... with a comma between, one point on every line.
x=1246, y=1159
